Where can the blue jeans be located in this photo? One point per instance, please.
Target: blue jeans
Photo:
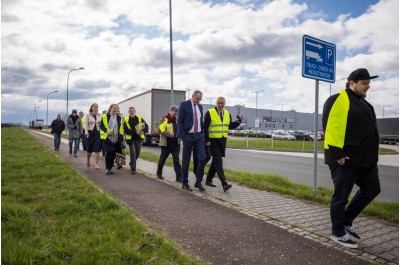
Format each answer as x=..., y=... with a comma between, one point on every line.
x=197, y=140
x=57, y=140
x=76, y=140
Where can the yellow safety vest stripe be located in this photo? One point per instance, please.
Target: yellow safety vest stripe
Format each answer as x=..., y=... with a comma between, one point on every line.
x=218, y=128
x=127, y=136
x=335, y=131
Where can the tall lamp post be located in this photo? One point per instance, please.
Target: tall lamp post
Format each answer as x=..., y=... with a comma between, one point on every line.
x=80, y=68
x=47, y=110
x=282, y=114
x=256, y=92
x=170, y=54
x=36, y=108
x=210, y=100
x=330, y=85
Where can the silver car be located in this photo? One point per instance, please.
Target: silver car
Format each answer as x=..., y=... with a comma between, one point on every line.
x=281, y=135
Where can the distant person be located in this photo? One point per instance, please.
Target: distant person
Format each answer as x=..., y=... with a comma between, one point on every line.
x=74, y=125
x=92, y=131
x=135, y=128
x=57, y=127
x=217, y=122
x=111, y=132
x=190, y=131
x=351, y=152
x=169, y=143
x=83, y=135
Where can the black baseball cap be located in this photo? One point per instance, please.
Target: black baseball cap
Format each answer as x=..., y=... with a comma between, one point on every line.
x=360, y=74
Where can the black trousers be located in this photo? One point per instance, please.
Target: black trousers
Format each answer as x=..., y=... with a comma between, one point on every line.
x=344, y=179
x=112, y=153
x=216, y=167
x=174, y=149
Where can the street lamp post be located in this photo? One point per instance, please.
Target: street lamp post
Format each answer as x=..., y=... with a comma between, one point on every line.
x=47, y=110
x=80, y=68
x=210, y=100
x=282, y=114
x=36, y=108
x=170, y=54
x=256, y=92
x=330, y=85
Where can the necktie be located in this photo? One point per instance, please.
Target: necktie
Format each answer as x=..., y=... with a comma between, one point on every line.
x=196, y=125
x=221, y=116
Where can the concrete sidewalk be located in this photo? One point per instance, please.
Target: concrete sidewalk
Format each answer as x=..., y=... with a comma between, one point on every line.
x=380, y=239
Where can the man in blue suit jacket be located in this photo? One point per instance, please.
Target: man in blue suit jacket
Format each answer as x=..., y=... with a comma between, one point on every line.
x=190, y=131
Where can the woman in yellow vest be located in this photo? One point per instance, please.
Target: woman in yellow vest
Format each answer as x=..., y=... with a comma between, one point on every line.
x=111, y=132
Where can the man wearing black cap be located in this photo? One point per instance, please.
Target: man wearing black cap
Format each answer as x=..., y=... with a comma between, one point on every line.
x=351, y=152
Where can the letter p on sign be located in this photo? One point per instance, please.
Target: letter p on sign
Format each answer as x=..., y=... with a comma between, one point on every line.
x=330, y=56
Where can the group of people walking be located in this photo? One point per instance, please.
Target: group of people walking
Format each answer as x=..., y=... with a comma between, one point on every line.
x=351, y=145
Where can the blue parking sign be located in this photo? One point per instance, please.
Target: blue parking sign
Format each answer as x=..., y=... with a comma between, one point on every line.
x=319, y=59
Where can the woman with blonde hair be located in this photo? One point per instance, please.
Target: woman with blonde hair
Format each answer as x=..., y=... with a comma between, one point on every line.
x=92, y=132
x=111, y=132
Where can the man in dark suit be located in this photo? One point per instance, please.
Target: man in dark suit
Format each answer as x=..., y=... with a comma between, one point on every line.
x=190, y=131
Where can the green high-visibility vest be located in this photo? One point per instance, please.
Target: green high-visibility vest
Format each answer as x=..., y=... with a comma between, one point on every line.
x=218, y=128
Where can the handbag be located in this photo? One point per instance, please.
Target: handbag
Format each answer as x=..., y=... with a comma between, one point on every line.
x=120, y=159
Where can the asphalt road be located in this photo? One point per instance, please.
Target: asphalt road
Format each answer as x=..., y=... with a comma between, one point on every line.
x=299, y=169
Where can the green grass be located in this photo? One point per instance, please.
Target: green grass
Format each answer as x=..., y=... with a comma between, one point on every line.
x=281, y=184
x=281, y=145
x=52, y=215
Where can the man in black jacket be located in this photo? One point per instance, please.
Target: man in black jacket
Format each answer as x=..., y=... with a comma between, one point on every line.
x=57, y=127
x=135, y=128
x=351, y=152
x=217, y=121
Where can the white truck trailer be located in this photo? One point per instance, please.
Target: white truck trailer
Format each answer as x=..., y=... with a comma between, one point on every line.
x=151, y=106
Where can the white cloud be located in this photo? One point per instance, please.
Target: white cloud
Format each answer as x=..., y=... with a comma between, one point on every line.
x=223, y=49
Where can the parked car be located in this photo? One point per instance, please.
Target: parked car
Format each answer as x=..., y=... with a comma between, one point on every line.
x=246, y=131
x=281, y=135
x=300, y=135
x=319, y=135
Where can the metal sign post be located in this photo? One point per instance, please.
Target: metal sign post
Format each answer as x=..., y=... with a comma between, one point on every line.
x=319, y=63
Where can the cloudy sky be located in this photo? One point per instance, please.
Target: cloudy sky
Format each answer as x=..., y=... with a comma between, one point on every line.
x=227, y=48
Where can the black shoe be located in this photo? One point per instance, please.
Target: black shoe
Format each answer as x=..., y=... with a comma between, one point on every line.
x=351, y=231
x=159, y=176
x=227, y=187
x=178, y=179
x=109, y=172
x=119, y=166
x=187, y=187
x=345, y=241
x=70, y=152
x=199, y=186
x=209, y=183
x=133, y=171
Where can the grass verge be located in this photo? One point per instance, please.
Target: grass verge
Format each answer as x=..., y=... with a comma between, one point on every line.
x=277, y=183
x=281, y=145
x=52, y=215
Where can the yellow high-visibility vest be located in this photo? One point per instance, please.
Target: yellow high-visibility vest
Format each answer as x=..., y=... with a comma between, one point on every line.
x=335, y=131
x=218, y=128
x=103, y=134
x=127, y=136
